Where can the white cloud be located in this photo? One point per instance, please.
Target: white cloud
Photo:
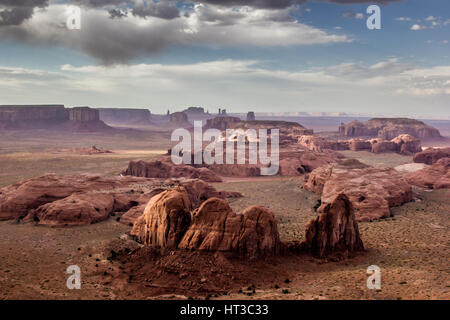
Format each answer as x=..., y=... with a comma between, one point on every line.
x=416, y=27
x=403, y=19
x=237, y=84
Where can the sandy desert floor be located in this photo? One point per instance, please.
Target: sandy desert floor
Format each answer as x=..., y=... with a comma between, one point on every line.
x=411, y=247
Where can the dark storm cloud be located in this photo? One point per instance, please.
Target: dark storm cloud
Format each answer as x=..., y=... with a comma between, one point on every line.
x=278, y=4
x=162, y=9
x=99, y=3
x=14, y=12
x=266, y=4
x=117, y=13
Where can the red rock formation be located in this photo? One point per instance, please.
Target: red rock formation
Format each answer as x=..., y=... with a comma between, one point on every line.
x=215, y=227
x=251, y=116
x=389, y=128
x=382, y=146
x=359, y=144
x=179, y=120
x=222, y=123
x=165, y=220
x=315, y=143
x=403, y=144
x=75, y=210
x=84, y=114
x=164, y=168
x=124, y=116
x=334, y=231
x=431, y=155
x=407, y=144
x=372, y=191
x=84, y=119
x=197, y=191
x=166, y=223
x=437, y=176
x=32, y=117
x=30, y=198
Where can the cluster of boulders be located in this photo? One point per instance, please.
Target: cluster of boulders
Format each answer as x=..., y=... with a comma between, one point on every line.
x=403, y=144
x=170, y=221
x=372, y=191
x=389, y=128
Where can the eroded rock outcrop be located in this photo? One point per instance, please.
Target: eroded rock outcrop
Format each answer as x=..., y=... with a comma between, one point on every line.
x=32, y=116
x=222, y=123
x=359, y=145
x=315, y=143
x=167, y=223
x=75, y=210
x=334, y=231
x=124, y=116
x=165, y=220
x=436, y=176
x=164, y=168
x=179, y=119
x=389, y=128
x=215, y=227
x=431, y=155
x=372, y=191
x=403, y=144
x=55, y=200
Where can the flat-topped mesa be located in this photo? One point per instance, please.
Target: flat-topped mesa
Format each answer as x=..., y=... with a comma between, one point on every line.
x=84, y=114
x=85, y=119
x=389, y=128
x=119, y=116
x=222, y=123
x=285, y=127
x=32, y=116
x=54, y=117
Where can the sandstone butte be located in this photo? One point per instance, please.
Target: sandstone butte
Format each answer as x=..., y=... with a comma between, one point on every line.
x=372, y=191
x=53, y=117
x=169, y=222
x=403, y=144
x=389, y=128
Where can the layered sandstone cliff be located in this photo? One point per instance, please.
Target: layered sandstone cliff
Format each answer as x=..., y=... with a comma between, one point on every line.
x=118, y=116
x=32, y=116
x=389, y=128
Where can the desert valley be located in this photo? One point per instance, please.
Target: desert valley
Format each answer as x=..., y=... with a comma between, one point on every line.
x=97, y=188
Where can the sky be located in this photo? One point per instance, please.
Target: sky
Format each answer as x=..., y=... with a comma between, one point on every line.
x=255, y=55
